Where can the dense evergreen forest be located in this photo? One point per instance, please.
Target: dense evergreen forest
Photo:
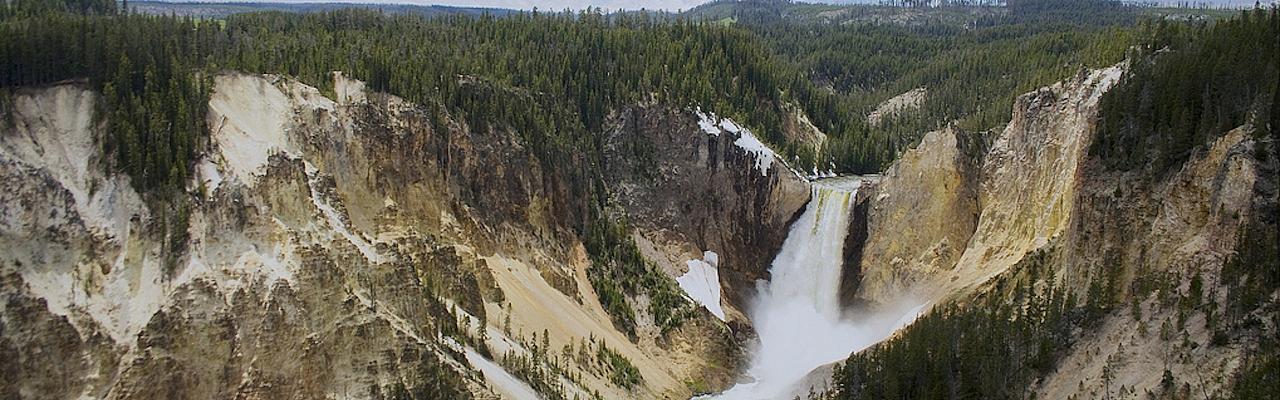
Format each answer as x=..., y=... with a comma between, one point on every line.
x=972, y=61
x=35, y=7
x=1189, y=85
x=576, y=68
x=579, y=67
x=971, y=76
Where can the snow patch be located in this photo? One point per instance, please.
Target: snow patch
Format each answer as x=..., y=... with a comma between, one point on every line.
x=707, y=123
x=702, y=282
x=764, y=156
x=711, y=258
x=729, y=126
x=714, y=125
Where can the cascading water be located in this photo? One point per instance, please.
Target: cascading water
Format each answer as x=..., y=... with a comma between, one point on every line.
x=797, y=315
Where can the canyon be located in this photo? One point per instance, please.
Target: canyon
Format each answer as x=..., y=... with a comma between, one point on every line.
x=352, y=245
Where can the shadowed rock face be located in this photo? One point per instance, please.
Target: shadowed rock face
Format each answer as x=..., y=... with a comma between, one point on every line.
x=854, y=248
x=682, y=186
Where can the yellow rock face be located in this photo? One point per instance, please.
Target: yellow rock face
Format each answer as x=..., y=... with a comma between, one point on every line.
x=939, y=224
x=921, y=216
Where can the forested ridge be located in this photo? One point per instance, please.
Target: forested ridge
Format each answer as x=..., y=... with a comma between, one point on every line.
x=573, y=69
x=971, y=76
x=971, y=60
x=1188, y=85
x=34, y=7
x=580, y=67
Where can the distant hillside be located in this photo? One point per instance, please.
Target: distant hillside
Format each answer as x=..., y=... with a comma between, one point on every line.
x=959, y=13
x=221, y=10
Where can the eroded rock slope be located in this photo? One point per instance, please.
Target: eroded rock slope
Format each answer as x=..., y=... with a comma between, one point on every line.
x=352, y=248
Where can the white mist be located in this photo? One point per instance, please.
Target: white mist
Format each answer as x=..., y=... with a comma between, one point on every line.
x=797, y=314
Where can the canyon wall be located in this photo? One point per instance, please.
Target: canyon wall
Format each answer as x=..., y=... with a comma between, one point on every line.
x=702, y=189
x=958, y=211
x=355, y=247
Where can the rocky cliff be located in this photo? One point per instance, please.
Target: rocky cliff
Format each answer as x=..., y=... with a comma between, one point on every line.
x=952, y=220
x=703, y=189
x=918, y=219
x=356, y=247
x=1162, y=241
x=952, y=212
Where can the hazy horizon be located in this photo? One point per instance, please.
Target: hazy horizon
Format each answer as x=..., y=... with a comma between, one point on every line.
x=556, y=5
x=553, y=5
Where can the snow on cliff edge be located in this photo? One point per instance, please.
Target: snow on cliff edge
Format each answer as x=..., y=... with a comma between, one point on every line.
x=714, y=125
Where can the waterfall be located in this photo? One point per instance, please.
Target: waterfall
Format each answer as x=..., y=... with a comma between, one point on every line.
x=797, y=314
